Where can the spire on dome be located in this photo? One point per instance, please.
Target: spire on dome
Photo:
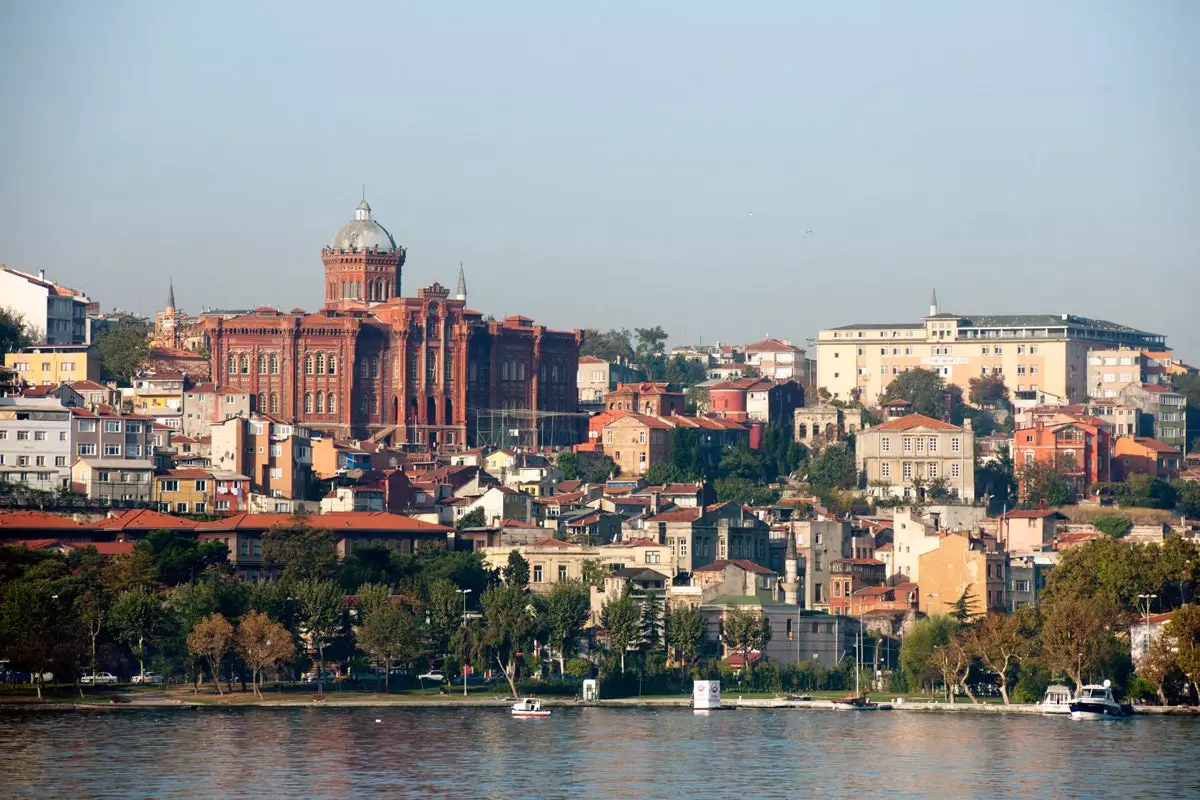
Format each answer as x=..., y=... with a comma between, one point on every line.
x=171, y=294
x=461, y=292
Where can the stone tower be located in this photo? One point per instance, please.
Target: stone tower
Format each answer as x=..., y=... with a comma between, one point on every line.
x=362, y=263
x=791, y=579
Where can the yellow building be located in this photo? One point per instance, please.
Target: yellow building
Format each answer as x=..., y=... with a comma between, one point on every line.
x=158, y=391
x=1039, y=356
x=50, y=365
x=962, y=565
x=184, y=491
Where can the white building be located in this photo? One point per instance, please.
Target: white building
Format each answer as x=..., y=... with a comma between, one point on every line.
x=53, y=313
x=35, y=442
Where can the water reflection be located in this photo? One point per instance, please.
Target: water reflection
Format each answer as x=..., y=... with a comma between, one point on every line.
x=627, y=753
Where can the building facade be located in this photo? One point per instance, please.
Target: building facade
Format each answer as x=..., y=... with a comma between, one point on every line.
x=50, y=365
x=35, y=442
x=904, y=456
x=53, y=314
x=1163, y=413
x=1081, y=448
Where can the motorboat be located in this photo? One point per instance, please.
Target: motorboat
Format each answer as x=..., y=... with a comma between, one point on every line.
x=1057, y=700
x=855, y=702
x=529, y=707
x=1097, y=702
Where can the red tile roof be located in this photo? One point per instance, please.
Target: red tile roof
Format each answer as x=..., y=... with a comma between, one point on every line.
x=1036, y=513
x=677, y=515
x=910, y=421
x=1156, y=388
x=771, y=346
x=591, y=360
x=516, y=523
x=335, y=521
x=1155, y=445
x=553, y=543
x=36, y=519
x=748, y=566
x=144, y=519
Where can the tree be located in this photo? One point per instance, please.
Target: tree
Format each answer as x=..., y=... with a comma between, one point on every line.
x=745, y=492
x=594, y=572
x=568, y=608
x=1114, y=525
x=1074, y=637
x=444, y=605
x=1160, y=663
x=953, y=662
x=13, y=332
x=475, y=518
x=137, y=615
x=568, y=462
x=622, y=618
x=122, y=349
x=1001, y=642
x=1187, y=498
x=1044, y=483
x=988, y=391
x=1183, y=629
x=1146, y=491
x=996, y=478
x=263, y=644
x=652, y=614
x=509, y=627
x=321, y=611
x=210, y=640
x=301, y=551
x=745, y=631
x=611, y=345
x=36, y=632
x=917, y=649
x=91, y=607
x=961, y=608
x=928, y=393
x=665, y=472
x=391, y=633
x=649, y=353
x=516, y=573
x=600, y=470
x=834, y=468
x=179, y=558
x=684, y=627
x=1115, y=572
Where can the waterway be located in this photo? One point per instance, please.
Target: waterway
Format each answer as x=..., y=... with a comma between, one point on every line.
x=590, y=753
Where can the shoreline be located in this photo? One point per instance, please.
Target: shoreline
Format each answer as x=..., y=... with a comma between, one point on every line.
x=492, y=703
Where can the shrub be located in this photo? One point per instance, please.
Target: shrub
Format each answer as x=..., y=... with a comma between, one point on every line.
x=1114, y=525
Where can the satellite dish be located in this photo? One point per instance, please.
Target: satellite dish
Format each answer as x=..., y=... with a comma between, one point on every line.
x=1107, y=683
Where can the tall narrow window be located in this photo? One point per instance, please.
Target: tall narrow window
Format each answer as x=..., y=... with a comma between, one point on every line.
x=332, y=403
x=320, y=403
x=232, y=364
x=274, y=362
x=262, y=364
x=274, y=403
x=320, y=363
x=308, y=402
x=262, y=403
x=245, y=364
x=308, y=364
x=331, y=364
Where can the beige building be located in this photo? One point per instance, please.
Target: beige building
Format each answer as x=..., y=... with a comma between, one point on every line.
x=903, y=456
x=1040, y=356
x=963, y=564
x=50, y=365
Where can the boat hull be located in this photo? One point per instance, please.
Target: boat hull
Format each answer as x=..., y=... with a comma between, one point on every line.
x=1097, y=711
x=531, y=713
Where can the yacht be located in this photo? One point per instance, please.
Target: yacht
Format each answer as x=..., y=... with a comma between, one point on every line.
x=1097, y=702
x=528, y=707
x=1057, y=700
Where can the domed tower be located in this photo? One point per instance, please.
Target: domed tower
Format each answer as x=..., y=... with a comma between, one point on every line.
x=362, y=263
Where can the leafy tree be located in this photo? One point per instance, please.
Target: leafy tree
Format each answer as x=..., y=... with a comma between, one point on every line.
x=927, y=392
x=91, y=608
x=684, y=627
x=1187, y=500
x=1115, y=572
x=961, y=609
x=917, y=649
x=321, y=610
x=594, y=572
x=665, y=472
x=179, y=558
x=953, y=662
x=1183, y=629
x=137, y=615
x=649, y=352
x=834, y=468
x=611, y=345
x=745, y=631
x=745, y=492
x=13, y=332
x=391, y=633
x=1002, y=642
x=600, y=470
x=444, y=604
x=1045, y=484
x=211, y=640
x=1146, y=491
x=1114, y=525
x=302, y=552
x=1160, y=664
x=622, y=618
x=263, y=644
x=652, y=620
x=122, y=349
x=988, y=391
x=36, y=632
x=509, y=627
x=568, y=462
x=568, y=608
x=996, y=478
x=1075, y=636
x=516, y=572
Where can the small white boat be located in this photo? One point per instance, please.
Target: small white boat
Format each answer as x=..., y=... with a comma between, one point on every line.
x=1097, y=702
x=528, y=707
x=855, y=702
x=1057, y=700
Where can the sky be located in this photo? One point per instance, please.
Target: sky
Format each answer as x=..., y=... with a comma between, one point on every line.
x=725, y=170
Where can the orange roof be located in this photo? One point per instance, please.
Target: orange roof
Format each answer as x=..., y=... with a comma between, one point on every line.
x=36, y=519
x=1035, y=513
x=87, y=386
x=677, y=515
x=771, y=346
x=748, y=566
x=910, y=421
x=335, y=521
x=144, y=519
x=516, y=523
x=186, y=473
x=1152, y=444
x=648, y=421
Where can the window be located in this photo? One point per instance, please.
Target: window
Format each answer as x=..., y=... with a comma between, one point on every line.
x=170, y=485
x=22, y=436
x=562, y=572
x=1020, y=349
x=3, y=435
x=331, y=365
x=652, y=556
x=920, y=444
x=885, y=469
x=955, y=470
x=87, y=449
x=1033, y=349
x=60, y=461
x=1020, y=586
x=244, y=363
x=908, y=444
x=112, y=426
x=641, y=437
x=133, y=427
x=133, y=450
x=1033, y=369
x=933, y=440
x=201, y=486
x=102, y=477
x=274, y=361
x=112, y=450
x=262, y=403
x=683, y=547
x=23, y=461
x=201, y=508
x=1020, y=369
x=276, y=473
x=39, y=436
x=321, y=403
x=274, y=403
x=931, y=469
x=537, y=573
x=907, y=470
x=276, y=450
x=222, y=505
x=955, y=445
x=885, y=443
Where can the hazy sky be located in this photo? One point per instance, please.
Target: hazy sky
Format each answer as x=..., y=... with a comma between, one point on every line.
x=727, y=170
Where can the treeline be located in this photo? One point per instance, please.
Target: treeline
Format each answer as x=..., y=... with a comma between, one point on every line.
x=1081, y=630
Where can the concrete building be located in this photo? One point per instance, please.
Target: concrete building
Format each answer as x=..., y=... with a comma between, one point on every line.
x=777, y=359
x=184, y=491
x=653, y=399
x=50, y=365
x=598, y=377
x=1134, y=454
x=1110, y=371
x=274, y=454
x=963, y=563
x=819, y=543
x=114, y=480
x=696, y=537
x=35, y=442
x=103, y=433
x=1163, y=413
x=914, y=535
x=755, y=400
x=904, y=456
x=206, y=403
x=154, y=392
x=637, y=442
x=1038, y=355
x=53, y=314
x=817, y=426
x=1079, y=447
x=1028, y=530
x=1025, y=579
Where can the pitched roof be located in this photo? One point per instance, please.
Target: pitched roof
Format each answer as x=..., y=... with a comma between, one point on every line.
x=1155, y=445
x=911, y=421
x=552, y=543
x=335, y=521
x=87, y=386
x=591, y=360
x=36, y=519
x=1033, y=513
x=748, y=566
x=677, y=515
x=144, y=519
x=771, y=346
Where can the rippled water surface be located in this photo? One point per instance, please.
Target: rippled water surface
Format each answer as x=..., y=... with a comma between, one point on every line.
x=588, y=752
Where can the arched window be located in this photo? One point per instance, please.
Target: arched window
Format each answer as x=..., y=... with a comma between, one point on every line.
x=332, y=403
x=245, y=363
x=358, y=290
x=308, y=364
x=274, y=361
x=343, y=288
x=262, y=364
x=520, y=370
x=374, y=367
x=262, y=403
x=308, y=402
x=320, y=363
x=331, y=364
x=320, y=403
x=364, y=368
x=274, y=403
x=232, y=364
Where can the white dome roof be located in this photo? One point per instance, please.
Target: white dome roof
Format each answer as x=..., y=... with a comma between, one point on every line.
x=362, y=233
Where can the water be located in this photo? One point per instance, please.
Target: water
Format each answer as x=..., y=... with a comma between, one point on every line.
x=590, y=752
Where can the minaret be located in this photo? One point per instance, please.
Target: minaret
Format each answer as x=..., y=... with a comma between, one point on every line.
x=933, y=304
x=171, y=295
x=461, y=292
x=791, y=580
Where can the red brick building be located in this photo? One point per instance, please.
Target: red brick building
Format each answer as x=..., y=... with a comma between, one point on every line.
x=413, y=370
x=1080, y=447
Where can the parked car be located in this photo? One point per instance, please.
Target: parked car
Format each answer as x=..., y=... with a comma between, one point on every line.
x=149, y=678
x=325, y=677
x=99, y=679
x=8, y=676
x=435, y=676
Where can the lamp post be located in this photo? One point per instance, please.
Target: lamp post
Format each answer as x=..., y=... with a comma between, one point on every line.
x=1146, y=598
x=464, y=593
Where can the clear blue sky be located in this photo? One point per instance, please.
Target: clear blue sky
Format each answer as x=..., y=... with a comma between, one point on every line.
x=618, y=164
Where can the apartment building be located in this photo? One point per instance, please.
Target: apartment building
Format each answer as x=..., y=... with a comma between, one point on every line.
x=50, y=365
x=1079, y=447
x=598, y=377
x=1163, y=413
x=904, y=456
x=696, y=537
x=636, y=442
x=963, y=564
x=114, y=479
x=184, y=491
x=35, y=442
x=54, y=313
x=1110, y=371
x=206, y=403
x=158, y=391
x=104, y=433
x=274, y=454
x=1038, y=355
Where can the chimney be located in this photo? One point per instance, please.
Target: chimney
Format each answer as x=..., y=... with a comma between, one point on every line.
x=41, y=274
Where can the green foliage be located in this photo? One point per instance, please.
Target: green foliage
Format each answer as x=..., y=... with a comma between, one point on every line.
x=390, y=632
x=568, y=608
x=1076, y=635
x=475, y=518
x=622, y=617
x=122, y=350
x=745, y=492
x=650, y=351
x=302, y=552
x=988, y=391
x=1044, y=484
x=997, y=480
x=568, y=462
x=600, y=470
x=652, y=620
x=178, y=557
x=746, y=631
x=1187, y=499
x=135, y=617
x=611, y=345
x=663, y=473
x=834, y=468
x=516, y=573
x=320, y=605
x=1032, y=681
x=918, y=649
x=927, y=392
x=1145, y=491
x=684, y=628
x=962, y=608
x=1114, y=525
x=509, y=627
x=13, y=332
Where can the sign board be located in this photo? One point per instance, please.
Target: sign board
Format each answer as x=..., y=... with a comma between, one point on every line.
x=944, y=361
x=706, y=694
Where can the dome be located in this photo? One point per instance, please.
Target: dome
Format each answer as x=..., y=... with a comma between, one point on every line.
x=362, y=233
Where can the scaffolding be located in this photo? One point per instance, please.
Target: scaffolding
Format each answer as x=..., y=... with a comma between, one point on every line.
x=527, y=427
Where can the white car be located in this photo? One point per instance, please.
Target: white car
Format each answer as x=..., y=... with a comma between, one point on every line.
x=149, y=678
x=99, y=679
x=432, y=676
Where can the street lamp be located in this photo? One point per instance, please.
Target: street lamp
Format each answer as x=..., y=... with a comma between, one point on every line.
x=1146, y=640
x=464, y=593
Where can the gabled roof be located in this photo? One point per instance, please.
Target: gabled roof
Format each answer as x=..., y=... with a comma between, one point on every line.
x=552, y=543
x=1034, y=513
x=748, y=566
x=771, y=346
x=1154, y=445
x=87, y=386
x=910, y=421
x=677, y=515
